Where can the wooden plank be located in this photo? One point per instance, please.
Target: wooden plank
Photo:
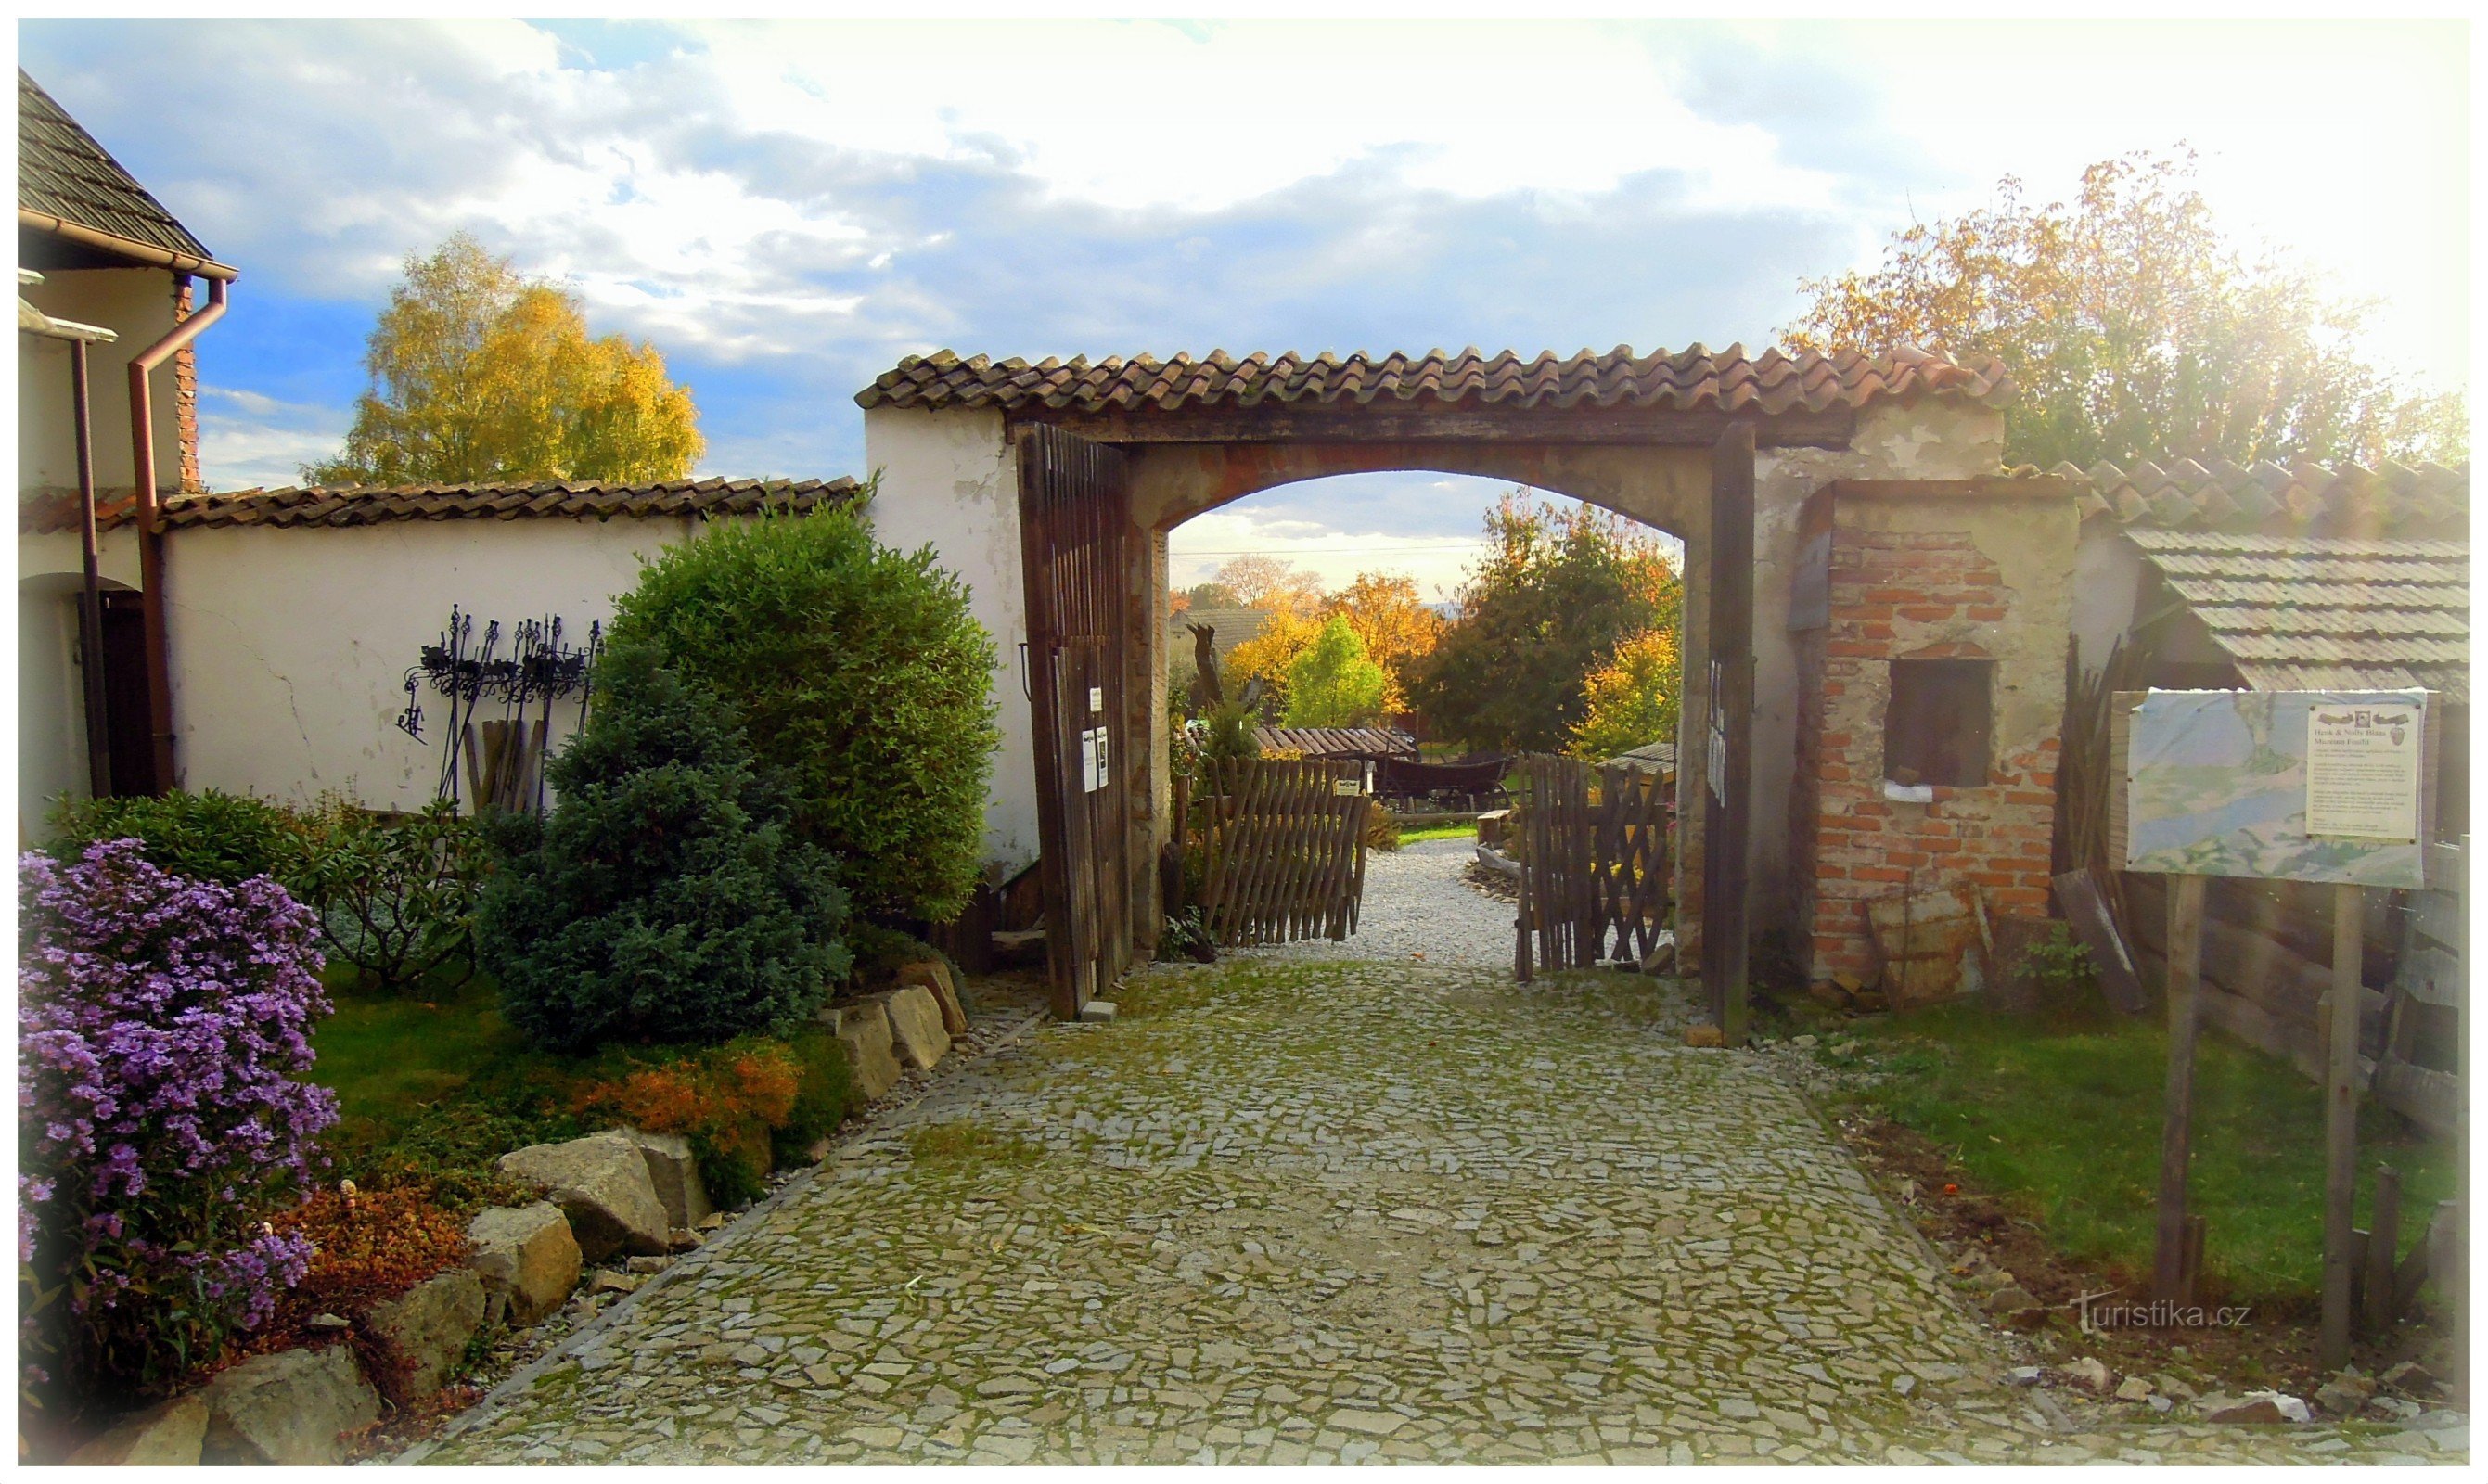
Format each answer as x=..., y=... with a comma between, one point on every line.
x=2340, y=1130
x=2087, y=913
x=2177, y=1107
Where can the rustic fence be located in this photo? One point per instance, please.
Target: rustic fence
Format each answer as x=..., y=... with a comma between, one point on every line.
x=1596, y=871
x=1281, y=848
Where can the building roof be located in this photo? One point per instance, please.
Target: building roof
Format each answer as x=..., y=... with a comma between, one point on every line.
x=1326, y=742
x=1729, y=380
x=2271, y=499
x=62, y=173
x=374, y=505
x=2325, y=613
x=1231, y=626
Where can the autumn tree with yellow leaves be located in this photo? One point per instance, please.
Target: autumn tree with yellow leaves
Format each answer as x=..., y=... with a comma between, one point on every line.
x=479, y=372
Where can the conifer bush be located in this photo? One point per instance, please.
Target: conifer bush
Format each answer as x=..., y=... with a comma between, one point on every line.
x=667, y=898
x=857, y=670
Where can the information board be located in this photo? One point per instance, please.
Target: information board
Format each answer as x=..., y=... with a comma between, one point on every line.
x=2282, y=785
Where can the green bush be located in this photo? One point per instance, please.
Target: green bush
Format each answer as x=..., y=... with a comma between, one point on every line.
x=823, y=1098
x=210, y=835
x=397, y=896
x=666, y=899
x=856, y=669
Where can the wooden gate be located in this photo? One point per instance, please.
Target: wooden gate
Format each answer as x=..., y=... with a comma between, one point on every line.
x=1075, y=540
x=1281, y=848
x=1595, y=864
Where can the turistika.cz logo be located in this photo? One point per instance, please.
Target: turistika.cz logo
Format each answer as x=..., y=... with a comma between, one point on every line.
x=2101, y=1311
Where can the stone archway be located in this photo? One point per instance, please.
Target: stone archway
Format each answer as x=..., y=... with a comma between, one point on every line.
x=1667, y=487
x=1667, y=440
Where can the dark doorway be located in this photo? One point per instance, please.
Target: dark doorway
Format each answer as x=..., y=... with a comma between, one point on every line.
x=130, y=725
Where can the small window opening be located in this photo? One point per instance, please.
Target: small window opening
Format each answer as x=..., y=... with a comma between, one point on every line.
x=1938, y=725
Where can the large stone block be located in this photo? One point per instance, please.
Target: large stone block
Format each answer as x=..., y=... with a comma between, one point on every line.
x=915, y=1024
x=173, y=1432
x=288, y=1407
x=600, y=1182
x=526, y=1256
x=675, y=1172
x=863, y=1032
x=935, y=975
x=423, y=1333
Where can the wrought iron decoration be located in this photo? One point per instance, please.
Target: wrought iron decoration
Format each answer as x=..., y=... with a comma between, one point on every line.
x=538, y=669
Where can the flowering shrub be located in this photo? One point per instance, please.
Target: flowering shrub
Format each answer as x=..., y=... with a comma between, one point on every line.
x=161, y=1023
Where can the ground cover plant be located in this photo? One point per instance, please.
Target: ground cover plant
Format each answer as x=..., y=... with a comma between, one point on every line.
x=2063, y=1114
x=856, y=670
x=163, y=1037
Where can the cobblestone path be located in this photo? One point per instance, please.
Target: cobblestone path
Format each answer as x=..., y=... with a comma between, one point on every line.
x=1289, y=1212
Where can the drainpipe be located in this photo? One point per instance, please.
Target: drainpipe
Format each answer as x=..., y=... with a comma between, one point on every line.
x=151, y=534
x=99, y=740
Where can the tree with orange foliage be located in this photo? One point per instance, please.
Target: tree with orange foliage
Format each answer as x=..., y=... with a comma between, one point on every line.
x=1396, y=627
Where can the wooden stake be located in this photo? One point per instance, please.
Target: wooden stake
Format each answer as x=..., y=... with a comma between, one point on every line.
x=2340, y=1129
x=2176, y=1127
x=2384, y=1238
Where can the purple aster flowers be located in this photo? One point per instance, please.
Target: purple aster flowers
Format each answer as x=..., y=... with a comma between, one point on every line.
x=162, y=1025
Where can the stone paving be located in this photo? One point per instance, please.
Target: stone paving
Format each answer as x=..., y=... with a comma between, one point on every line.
x=1417, y=908
x=1285, y=1212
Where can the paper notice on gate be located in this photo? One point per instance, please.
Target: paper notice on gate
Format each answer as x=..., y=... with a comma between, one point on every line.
x=1089, y=760
x=1097, y=773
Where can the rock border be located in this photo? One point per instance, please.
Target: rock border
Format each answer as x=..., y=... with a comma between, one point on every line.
x=587, y=1334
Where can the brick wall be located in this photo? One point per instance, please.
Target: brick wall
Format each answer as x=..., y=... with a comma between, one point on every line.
x=1898, y=594
x=186, y=395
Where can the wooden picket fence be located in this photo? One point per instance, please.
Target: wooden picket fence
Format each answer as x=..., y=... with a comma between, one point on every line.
x=1283, y=848
x=1596, y=872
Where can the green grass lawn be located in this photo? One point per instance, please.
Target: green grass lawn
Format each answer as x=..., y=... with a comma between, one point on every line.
x=2067, y=1114
x=389, y=1056
x=1457, y=830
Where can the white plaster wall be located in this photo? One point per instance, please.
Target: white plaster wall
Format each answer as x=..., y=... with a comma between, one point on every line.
x=136, y=302
x=288, y=647
x=2107, y=582
x=948, y=480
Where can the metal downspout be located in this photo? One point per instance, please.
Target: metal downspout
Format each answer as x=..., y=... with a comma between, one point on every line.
x=99, y=738
x=151, y=534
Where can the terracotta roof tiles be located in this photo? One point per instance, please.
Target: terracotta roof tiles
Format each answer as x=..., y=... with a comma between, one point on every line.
x=2301, y=499
x=1773, y=381
x=374, y=505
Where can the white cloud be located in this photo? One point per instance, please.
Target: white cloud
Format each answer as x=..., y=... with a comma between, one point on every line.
x=249, y=440
x=1141, y=116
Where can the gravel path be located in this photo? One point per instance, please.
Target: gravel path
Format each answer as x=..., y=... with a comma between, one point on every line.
x=1418, y=909
x=1286, y=1211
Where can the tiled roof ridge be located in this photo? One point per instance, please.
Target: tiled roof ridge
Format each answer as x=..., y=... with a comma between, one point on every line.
x=348, y=505
x=2301, y=498
x=1773, y=380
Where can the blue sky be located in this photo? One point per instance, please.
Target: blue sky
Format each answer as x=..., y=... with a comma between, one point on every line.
x=786, y=208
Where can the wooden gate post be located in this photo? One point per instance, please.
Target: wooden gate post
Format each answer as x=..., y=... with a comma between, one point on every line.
x=2170, y=1280
x=2340, y=1128
x=1730, y=744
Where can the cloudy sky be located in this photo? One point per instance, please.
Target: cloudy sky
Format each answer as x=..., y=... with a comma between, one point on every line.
x=787, y=208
